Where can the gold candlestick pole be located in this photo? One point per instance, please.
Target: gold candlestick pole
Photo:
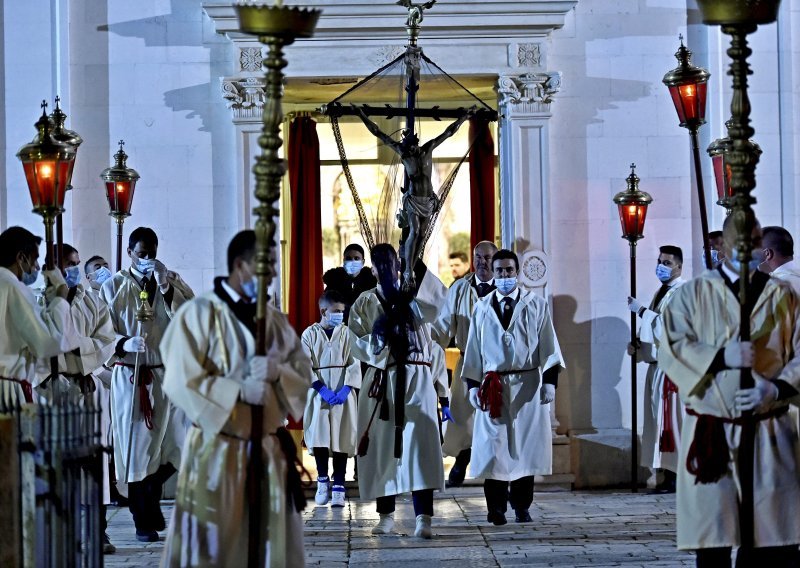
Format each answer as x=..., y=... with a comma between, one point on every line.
x=276, y=27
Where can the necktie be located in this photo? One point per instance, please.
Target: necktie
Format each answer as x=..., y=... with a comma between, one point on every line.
x=148, y=285
x=507, y=308
x=483, y=289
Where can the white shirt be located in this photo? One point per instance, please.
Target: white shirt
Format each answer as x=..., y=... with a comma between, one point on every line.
x=235, y=296
x=514, y=294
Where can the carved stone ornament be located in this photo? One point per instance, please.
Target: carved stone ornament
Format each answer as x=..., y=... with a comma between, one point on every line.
x=533, y=268
x=245, y=96
x=387, y=53
x=530, y=92
x=251, y=59
x=529, y=55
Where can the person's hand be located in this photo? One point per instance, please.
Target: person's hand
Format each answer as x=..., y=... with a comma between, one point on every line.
x=134, y=344
x=548, y=393
x=55, y=285
x=340, y=396
x=262, y=368
x=327, y=395
x=160, y=272
x=757, y=397
x=473, y=398
x=446, y=416
x=739, y=354
x=633, y=347
x=253, y=391
x=634, y=305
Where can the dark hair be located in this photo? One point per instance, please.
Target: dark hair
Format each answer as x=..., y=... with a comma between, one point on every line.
x=354, y=246
x=144, y=235
x=331, y=296
x=15, y=240
x=242, y=245
x=459, y=255
x=90, y=261
x=673, y=250
x=504, y=254
x=715, y=235
x=68, y=250
x=779, y=239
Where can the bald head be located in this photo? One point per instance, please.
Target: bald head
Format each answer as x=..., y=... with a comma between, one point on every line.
x=482, y=260
x=778, y=247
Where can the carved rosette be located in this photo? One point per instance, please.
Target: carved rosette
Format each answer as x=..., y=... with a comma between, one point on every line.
x=245, y=96
x=251, y=59
x=529, y=92
x=533, y=268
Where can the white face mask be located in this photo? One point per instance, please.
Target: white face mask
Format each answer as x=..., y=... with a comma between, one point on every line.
x=73, y=276
x=334, y=318
x=505, y=285
x=99, y=276
x=145, y=266
x=353, y=267
x=756, y=259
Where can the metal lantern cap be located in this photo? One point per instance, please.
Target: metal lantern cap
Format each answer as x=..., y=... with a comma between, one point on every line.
x=718, y=151
x=120, y=171
x=277, y=21
x=60, y=132
x=632, y=204
x=739, y=12
x=633, y=195
x=685, y=73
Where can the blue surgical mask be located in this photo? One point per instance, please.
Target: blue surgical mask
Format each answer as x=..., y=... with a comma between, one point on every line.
x=28, y=278
x=100, y=275
x=714, y=258
x=505, y=285
x=663, y=273
x=73, y=276
x=353, y=267
x=145, y=266
x=334, y=318
x=250, y=288
x=757, y=258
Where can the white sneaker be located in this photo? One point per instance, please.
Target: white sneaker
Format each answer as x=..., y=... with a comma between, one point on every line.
x=337, y=496
x=323, y=489
x=385, y=525
x=423, y=529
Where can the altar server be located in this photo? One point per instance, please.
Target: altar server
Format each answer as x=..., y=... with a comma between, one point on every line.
x=157, y=430
x=214, y=376
x=511, y=366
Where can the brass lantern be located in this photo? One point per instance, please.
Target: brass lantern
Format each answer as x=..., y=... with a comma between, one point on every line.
x=687, y=85
x=632, y=204
x=718, y=151
x=120, y=181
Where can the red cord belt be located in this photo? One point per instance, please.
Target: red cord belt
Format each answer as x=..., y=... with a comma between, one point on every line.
x=146, y=378
x=490, y=393
x=27, y=388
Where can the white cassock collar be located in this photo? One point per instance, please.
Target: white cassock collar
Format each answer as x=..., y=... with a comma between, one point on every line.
x=235, y=296
x=513, y=295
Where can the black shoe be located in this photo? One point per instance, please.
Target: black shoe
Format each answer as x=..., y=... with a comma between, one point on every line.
x=109, y=548
x=159, y=523
x=523, y=516
x=496, y=518
x=147, y=536
x=456, y=477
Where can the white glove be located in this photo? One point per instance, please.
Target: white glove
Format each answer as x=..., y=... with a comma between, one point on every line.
x=634, y=305
x=134, y=345
x=548, y=393
x=473, y=398
x=253, y=392
x=160, y=272
x=55, y=285
x=761, y=395
x=263, y=368
x=739, y=354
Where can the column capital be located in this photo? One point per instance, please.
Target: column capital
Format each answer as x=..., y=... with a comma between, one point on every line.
x=528, y=93
x=246, y=97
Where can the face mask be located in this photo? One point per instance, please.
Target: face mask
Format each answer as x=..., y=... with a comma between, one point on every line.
x=250, y=287
x=100, y=275
x=334, y=318
x=145, y=266
x=28, y=278
x=757, y=258
x=663, y=273
x=715, y=260
x=73, y=276
x=505, y=285
x=353, y=267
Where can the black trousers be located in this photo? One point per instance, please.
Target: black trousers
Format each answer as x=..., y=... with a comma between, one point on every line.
x=144, y=500
x=499, y=493
x=423, y=502
x=772, y=557
x=322, y=455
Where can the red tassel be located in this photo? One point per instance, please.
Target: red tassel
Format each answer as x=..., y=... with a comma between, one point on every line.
x=666, y=442
x=490, y=394
x=363, y=445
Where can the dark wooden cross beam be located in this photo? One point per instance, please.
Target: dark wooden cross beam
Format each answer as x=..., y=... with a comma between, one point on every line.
x=336, y=110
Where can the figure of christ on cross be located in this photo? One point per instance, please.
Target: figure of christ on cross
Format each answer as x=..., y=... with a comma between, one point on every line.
x=419, y=198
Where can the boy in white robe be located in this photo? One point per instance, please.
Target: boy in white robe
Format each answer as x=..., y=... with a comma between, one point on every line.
x=511, y=367
x=214, y=376
x=156, y=431
x=329, y=419
x=702, y=354
x=404, y=452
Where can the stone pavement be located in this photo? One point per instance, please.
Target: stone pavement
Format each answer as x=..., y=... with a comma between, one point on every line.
x=609, y=528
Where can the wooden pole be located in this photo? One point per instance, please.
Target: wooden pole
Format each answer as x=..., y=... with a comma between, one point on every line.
x=634, y=383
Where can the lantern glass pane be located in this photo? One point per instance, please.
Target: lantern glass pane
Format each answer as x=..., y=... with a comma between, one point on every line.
x=676, y=100
x=719, y=177
x=701, y=101
x=33, y=188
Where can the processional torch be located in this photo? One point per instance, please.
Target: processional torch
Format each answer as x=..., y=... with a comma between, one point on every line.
x=120, y=182
x=144, y=313
x=738, y=19
x=276, y=27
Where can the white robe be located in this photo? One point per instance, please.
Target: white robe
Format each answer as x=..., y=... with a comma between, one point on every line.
x=326, y=426
x=28, y=333
x=420, y=466
x=453, y=323
x=162, y=444
x=701, y=318
x=650, y=334
x=206, y=352
x=789, y=273
x=520, y=442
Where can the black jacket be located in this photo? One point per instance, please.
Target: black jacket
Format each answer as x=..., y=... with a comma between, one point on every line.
x=350, y=288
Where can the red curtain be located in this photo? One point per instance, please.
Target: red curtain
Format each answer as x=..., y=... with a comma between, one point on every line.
x=305, y=245
x=481, y=183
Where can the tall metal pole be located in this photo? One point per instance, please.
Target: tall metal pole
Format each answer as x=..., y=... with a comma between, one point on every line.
x=701, y=195
x=634, y=381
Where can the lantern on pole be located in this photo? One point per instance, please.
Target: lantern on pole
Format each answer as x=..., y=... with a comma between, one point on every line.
x=48, y=166
x=632, y=205
x=120, y=182
x=687, y=85
x=72, y=138
x=718, y=150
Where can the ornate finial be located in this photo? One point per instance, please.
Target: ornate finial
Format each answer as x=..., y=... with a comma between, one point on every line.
x=121, y=144
x=415, y=17
x=58, y=100
x=680, y=39
x=121, y=157
x=44, y=107
x=144, y=312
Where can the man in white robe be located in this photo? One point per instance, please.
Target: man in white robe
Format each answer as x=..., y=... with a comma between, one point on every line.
x=329, y=419
x=701, y=352
x=663, y=411
x=511, y=367
x=214, y=376
x=156, y=431
x=453, y=325
x=779, y=263
x=404, y=452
